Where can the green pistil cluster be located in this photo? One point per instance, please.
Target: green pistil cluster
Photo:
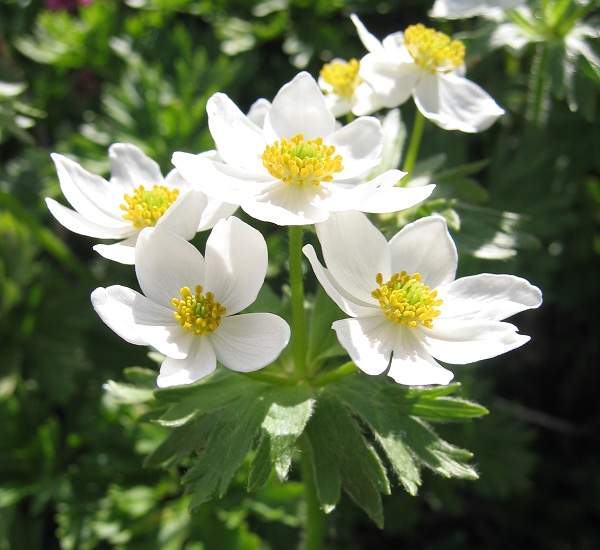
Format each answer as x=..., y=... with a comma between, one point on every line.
x=146, y=207
x=407, y=301
x=433, y=50
x=342, y=77
x=196, y=312
x=298, y=162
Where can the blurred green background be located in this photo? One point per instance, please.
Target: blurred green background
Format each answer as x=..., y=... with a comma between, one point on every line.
x=78, y=76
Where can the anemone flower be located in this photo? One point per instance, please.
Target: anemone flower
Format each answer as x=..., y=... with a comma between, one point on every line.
x=290, y=163
x=189, y=306
x=406, y=308
x=428, y=66
x=137, y=196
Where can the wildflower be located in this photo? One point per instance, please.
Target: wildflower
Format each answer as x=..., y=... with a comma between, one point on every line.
x=344, y=90
x=188, y=310
x=136, y=197
x=406, y=308
x=290, y=164
x=459, y=9
x=428, y=66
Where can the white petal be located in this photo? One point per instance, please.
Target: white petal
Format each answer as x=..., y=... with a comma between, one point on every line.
x=131, y=167
x=258, y=111
x=355, y=251
x=139, y=320
x=202, y=173
x=460, y=342
x=392, y=81
x=285, y=205
x=413, y=366
x=214, y=211
x=488, y=297
x=184, y=215
x=245, y=343
x=239, y=141
x=200, y=362
x=368, y=340
x=370, y=42
x=92, y=196
x=425, y=247
x=381, y=194
x=359, y=143
x=455, y=103
x=114, y=306
x=77, y=223
x=347, y=303
x=164, y=263
x=174, y=179
x=236, y=264
x=299, y=107
x=122, y=252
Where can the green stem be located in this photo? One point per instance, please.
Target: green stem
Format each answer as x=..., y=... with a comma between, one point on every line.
x=298, y=314
x=538, y=70
x=413, y=146
x=314, y=526
x=335, y=374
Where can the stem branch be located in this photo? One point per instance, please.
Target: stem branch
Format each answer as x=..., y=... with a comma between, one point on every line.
x=298, y=314
x=413, y=146
x=314, y=526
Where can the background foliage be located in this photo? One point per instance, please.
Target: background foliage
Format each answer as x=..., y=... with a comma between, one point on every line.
x=79, y=465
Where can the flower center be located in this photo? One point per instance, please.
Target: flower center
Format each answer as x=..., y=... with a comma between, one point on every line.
x=299, y=162
x=342, y=77
x=197, y=312
x=406, y=300
x=146, y=206
x=433, y=50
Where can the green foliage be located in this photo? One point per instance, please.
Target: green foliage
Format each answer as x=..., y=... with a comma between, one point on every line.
x=84, y=467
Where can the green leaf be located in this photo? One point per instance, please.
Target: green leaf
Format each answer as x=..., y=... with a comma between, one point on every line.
x=231, y=437
x=260, y=467
x=360, y=469
x=324, y=464
x=128, y=393
x=363, y=397
x=442, y=457
x=285, y=421
x=432, y=407
x=181, y=441
x=191, y=401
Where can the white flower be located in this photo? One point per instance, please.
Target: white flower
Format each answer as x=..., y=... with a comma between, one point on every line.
x=345, y=91
x=189, y=304
x=458, y=9
x=289, y=163
x=137, y=196
x=428, y=66
x=406, y=308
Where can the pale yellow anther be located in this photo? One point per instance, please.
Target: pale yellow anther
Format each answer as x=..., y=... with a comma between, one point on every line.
x=432, y=50
x=198, y=313
x=342, y=77
x=407, y=301
x=146, y=207
x=299, y=162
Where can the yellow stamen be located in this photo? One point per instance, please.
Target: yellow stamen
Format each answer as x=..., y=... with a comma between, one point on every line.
x=299, y=162
x=145, y=208
x=196, y=312
x=406, y=300
x=433, y=50
x=342, y=77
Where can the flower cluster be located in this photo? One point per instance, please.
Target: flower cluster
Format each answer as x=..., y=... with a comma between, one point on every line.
x=291, y=163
